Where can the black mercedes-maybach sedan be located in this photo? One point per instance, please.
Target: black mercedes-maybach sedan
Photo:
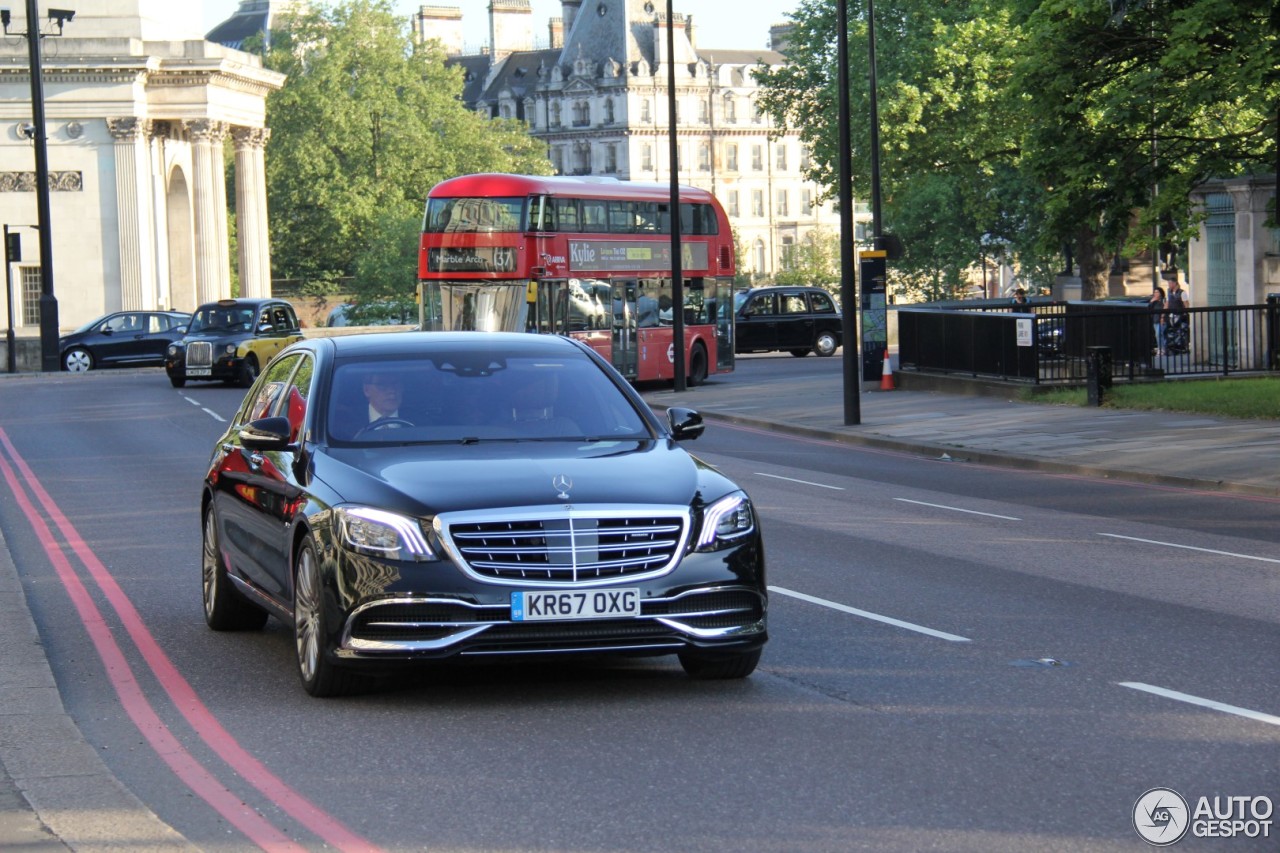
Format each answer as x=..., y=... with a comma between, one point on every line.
x=406, y=497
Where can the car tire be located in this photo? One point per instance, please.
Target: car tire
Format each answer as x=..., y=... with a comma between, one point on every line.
x=225, y=609
x=77, y=360
x=799, y=353
x=177, y=381
x=248, y=372
x=320, y=677
x=826, y=344
x=697, y=365
x=719, y=665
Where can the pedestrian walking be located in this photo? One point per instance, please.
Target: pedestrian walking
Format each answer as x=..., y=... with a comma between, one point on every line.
x=1157, y=306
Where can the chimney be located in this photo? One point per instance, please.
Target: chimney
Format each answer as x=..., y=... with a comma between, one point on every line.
x=569, y=11
x=555, y=32
x=779, y=37
x=510, y=27
x=442, y=24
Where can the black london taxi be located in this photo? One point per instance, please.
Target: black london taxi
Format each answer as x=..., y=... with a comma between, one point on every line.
x=231, y=340
x=798, y=320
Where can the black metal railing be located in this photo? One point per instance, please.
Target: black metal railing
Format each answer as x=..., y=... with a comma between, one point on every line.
x=1050, y=342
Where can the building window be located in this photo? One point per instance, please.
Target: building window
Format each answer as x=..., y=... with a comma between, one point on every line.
x=757, y=202
x=730, y=109
x=608, y=111
x=731, y=157
x=757, y=158
x=704, y=156
x=780, y=157
x=805, y=159
x=555, y=114
x=787, y=262
x=557, y=160
x=31, y=290
x=704, y=112
x=733, y=203
x=756, y=116
x=758, y=254
x=781, y=206
x=646, y=157
x=611, y=159
x=645, y=115
x=806, y=202
x=582, y=159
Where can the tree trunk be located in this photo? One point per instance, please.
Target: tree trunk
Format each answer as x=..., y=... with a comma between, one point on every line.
x=1095, y=264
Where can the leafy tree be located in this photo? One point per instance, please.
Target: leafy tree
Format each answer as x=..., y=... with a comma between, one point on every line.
x=366, y=123
x=1130, y=104
x=1038, y=123
x=814, y=260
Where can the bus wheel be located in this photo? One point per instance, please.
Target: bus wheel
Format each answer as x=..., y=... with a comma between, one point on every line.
x=698, y=365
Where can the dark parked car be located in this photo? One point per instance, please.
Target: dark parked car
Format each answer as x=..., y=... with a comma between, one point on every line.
x=405, y=498
x=231, y=339
x=125, y=338
x=798, y=320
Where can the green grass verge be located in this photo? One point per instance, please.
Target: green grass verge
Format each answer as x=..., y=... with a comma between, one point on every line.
x=1231, y=398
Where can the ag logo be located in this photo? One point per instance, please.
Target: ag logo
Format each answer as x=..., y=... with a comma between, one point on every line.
x=1161, y=817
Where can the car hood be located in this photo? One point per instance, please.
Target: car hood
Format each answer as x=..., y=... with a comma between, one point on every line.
x=425, y=480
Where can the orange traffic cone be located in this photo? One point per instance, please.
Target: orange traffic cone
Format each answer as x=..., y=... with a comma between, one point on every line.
x=886, y=375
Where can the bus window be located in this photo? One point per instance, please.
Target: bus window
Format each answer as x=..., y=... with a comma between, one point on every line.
x=621, y=217
x=594, y=215
x=473, y=215
x=566, y=214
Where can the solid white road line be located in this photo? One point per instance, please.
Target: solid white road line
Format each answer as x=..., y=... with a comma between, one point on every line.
x=1191, y=548
x=897, y=623
x=958, y=509
x=1204, y=703
x=215, y=415
x=801, y=482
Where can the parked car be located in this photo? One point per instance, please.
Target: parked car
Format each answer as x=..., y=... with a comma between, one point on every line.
x=798, y=320
x=515, y=497
x=230, y=340
x=125, y=338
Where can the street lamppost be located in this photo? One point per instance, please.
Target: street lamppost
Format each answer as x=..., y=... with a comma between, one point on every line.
x=677, y=268
x=48, y=302
x=849, y=302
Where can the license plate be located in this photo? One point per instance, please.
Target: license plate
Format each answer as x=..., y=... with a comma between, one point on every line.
x=199, y=371
x=579, y=604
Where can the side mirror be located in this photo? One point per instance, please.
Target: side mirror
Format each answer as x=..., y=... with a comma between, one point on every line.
x=181, y=330
x=107, y=330
x=266, y=434
x=686, y=424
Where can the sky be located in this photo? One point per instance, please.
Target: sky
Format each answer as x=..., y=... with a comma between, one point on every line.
x=719, y=23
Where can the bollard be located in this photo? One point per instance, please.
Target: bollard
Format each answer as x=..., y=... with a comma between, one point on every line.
x=1098, y=377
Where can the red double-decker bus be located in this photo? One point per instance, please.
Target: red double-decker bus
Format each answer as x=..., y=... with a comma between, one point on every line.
x=585, y=257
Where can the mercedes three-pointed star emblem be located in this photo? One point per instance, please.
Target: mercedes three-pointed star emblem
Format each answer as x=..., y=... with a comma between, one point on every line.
x=562, y=485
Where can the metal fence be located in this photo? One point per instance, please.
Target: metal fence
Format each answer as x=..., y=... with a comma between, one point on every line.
x=1050, y=342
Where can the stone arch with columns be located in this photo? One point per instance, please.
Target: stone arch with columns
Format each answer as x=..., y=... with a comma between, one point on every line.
x=141, y=113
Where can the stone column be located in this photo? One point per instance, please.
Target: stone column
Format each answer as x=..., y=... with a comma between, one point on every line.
x=212, y=267
x=254, y=239
x=133, y=207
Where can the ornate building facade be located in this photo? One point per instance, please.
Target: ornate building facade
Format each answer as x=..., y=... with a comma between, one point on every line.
x=140, y=112
x=597, y=95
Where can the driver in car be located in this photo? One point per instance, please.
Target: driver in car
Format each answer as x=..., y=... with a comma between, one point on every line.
x=385, y=392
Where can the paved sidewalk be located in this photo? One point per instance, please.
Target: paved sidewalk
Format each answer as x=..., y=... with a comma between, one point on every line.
x=56, y=794
x=1155, y=447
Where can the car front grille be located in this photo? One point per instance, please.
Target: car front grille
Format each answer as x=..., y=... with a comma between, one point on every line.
x=199, y=354
x=562, y=547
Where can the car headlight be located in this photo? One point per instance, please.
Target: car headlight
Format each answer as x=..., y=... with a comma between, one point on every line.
x=379, y=533
x=230, y=349
x=174, y=350
x=726, y=521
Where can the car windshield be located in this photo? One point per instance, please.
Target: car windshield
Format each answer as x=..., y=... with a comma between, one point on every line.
x=218, y=318
x=468, y=396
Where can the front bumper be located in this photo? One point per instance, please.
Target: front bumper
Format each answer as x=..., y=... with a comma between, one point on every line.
x=709, y=601
x=224, y=368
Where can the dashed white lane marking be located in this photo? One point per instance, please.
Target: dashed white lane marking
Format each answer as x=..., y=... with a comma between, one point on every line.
x=1203, y=703
x=802, y=482
x=958, y=509
x=1191, y=548
x=865, y=614
x=210, y=412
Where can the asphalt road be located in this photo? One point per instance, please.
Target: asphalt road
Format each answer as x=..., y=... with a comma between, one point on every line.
x=962, y=658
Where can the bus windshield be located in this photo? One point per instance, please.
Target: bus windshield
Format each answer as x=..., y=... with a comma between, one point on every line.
x=474, y=215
